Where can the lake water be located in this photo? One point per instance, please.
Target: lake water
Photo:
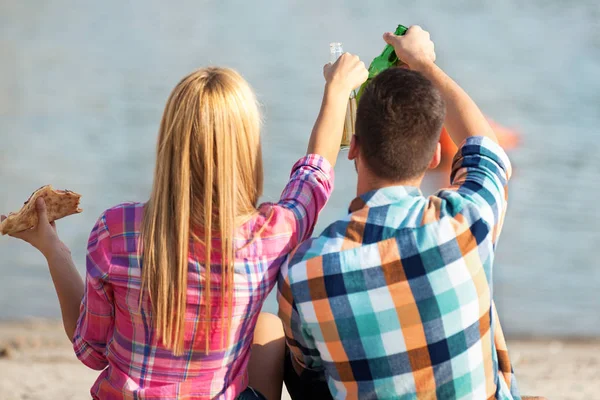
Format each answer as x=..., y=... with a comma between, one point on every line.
x=83, y=84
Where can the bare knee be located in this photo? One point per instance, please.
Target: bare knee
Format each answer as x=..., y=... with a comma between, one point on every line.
x=268, y=329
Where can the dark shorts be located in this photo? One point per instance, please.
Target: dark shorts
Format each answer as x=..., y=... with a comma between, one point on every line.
x=313, y=387
x=250, y=394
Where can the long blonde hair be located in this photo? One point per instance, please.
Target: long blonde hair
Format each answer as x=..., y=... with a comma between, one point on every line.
x=208, y=175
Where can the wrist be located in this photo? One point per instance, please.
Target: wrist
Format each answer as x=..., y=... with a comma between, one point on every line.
x=336, y=89
x=54, y=249
x=424, y=67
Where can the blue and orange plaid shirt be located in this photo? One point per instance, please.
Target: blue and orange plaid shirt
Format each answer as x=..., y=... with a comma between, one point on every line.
x=395, y=300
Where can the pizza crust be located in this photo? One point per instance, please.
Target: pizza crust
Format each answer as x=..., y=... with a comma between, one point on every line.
x=59, y=204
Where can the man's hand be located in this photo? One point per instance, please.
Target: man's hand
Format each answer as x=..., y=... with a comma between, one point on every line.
x=463, y=117
x=415, y=47
x=43, y=236
x=347, y=73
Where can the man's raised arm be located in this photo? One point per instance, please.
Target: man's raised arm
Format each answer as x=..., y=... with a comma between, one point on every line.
x=463, y=117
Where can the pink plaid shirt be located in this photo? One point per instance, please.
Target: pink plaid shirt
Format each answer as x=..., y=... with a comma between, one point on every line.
x=114, y=336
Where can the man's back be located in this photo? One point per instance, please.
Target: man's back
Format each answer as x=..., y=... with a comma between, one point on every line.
x=396, y=299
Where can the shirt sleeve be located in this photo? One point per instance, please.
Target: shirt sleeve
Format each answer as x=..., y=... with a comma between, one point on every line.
x=507, y=379
x=303, y=351
x=96, y=318
x=480, y=174
x=305, y=195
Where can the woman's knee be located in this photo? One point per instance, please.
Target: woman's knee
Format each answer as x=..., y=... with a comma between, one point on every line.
x=268, y=329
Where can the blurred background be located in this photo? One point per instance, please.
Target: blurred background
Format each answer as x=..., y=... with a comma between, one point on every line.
x=83, y=85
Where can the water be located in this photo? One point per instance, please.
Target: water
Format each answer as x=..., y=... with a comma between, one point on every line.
x=83, y=84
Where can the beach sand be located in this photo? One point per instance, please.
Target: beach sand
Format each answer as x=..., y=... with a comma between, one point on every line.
x=37, y=362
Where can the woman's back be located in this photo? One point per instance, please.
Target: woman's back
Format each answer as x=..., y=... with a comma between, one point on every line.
x=114, y=331
x=159, y=318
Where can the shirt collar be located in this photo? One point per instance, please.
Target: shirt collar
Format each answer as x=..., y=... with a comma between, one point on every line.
x=383, y=196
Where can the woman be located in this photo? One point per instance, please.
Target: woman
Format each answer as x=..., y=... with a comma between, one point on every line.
x=174, y=287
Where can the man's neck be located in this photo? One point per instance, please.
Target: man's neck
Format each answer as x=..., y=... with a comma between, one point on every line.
x=367, y=183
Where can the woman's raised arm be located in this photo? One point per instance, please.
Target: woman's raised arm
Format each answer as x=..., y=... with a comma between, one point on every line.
x=341, y=78
x=67, y=281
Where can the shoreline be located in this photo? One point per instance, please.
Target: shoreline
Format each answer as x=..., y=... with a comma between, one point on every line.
x=557, y=368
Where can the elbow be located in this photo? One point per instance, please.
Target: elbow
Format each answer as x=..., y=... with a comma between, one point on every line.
x=70, y=332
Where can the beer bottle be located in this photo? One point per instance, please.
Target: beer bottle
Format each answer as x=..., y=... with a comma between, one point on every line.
x=336, y=51
x=385, y=60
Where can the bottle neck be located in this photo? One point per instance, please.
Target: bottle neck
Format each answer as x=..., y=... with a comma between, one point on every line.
x=400, y=30
x=335, y=51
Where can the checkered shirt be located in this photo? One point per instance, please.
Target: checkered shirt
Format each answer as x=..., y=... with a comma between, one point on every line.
x=395, y=300
x=115, y=336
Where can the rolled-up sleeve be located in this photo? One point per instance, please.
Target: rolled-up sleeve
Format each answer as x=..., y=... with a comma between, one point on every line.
x=480, y=174
x=96, y=318
x=306, y=193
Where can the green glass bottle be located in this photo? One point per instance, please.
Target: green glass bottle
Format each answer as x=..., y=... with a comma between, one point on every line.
x=385, y=60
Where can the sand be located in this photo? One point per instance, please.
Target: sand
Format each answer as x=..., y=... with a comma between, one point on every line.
x=37, y=362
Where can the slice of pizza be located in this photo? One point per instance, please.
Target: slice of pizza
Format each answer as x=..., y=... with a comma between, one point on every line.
x=59, y=204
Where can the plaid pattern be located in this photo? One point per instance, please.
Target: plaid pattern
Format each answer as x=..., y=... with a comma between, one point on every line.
x=112, y=332
x=395, y=300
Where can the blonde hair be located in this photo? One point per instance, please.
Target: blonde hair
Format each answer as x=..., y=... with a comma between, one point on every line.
x=208, y=176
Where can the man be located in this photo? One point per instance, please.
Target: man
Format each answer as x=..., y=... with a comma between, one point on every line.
x=395, y=300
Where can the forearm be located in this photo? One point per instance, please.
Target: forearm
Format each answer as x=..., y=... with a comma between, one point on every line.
x=327, y=131
x=68, y=284
x=463, y=117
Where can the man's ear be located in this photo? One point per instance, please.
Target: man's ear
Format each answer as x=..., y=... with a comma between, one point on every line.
x=353, y=151
x=437, y=157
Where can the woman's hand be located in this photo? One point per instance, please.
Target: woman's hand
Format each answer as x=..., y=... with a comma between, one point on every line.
x=347, y=73
x=43, y=236
x=67, y=281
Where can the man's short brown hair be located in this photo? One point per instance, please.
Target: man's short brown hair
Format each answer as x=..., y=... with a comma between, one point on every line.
x=398, y=124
